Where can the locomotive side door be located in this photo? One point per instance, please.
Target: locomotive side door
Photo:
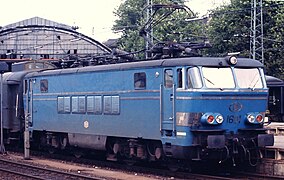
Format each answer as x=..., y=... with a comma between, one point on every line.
x=28, y=94
x=168, y=103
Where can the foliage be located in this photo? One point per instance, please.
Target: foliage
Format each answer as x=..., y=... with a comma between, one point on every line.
x=229, y=31
x=128, y=22
x=274, y=39
x=131, y=18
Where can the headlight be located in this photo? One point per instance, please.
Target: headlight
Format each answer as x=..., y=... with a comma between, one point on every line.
x=219, y=119
x=212, y=118
x=232, y=59
x=259, y=118
x=250, y=118
x=255, y=118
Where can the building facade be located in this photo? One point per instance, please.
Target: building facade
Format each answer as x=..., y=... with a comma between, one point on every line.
x=41, y=39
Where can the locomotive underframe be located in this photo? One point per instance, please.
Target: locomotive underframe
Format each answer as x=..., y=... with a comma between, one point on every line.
x=215, y=145
x=116, y=148
x=207, y=145
x=219, y=146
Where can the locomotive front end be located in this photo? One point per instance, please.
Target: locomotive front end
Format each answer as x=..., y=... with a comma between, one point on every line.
x=221, y=111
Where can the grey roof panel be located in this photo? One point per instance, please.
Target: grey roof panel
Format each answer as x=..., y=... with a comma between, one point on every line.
x=189, y=61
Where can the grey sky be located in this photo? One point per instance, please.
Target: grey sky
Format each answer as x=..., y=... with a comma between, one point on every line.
x=94, y=17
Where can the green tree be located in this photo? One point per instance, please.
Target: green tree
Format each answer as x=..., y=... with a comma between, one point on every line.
x=128, y=23
x=229, y=28
x=274, y=38
x=229, y=31
x=131, y=15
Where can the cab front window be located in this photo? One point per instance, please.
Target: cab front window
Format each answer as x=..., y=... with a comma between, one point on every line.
x=248, y=78
x=214, y=77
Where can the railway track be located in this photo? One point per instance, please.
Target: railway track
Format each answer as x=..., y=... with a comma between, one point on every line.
x=254, y=176
x=18, y=170
x=155, y=171
x=148, y=171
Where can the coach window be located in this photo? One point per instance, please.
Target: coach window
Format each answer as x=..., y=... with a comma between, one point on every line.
x=60, y=104
x=107, y=104
x=78, y=104
x=98, y=104
x=67, y=105
x=115, y=105
x=63, y=104
x=111, y=105
x=90, y=104
x=75, y=104
x=82, y=104
x=168, y=78
x=43, y=85
x=94, y=104
x=140, y=80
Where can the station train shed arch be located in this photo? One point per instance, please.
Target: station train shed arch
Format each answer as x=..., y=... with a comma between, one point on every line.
x=41, y=39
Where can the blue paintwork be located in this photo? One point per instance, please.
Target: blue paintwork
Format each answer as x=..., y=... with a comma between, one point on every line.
x=139, y=109
x=135, y=119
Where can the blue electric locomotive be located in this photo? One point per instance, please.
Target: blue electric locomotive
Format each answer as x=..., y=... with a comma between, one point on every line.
x=178, y=109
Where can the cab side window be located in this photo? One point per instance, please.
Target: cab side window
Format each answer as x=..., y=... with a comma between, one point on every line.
x=194, y=78
x=25, y=86
x=140, y=80
x=168, y=78
x=179, y=76
x=43, y=85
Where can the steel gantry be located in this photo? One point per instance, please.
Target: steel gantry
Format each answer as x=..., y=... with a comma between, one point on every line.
x=256, y=32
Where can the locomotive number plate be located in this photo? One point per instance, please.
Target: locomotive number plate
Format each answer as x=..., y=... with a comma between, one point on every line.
x=234, y=119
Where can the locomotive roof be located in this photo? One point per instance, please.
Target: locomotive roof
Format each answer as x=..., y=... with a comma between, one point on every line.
x=14, y=77
x=273, y=81
x=186, y=61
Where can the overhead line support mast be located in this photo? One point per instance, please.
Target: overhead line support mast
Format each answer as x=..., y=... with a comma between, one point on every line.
x=256, y=32
x=150, y=34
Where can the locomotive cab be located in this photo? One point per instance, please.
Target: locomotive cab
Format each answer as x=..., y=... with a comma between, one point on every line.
x=214, y=105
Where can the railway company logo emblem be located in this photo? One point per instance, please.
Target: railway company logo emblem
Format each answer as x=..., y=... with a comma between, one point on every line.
x=236, y=107
x=86, y=124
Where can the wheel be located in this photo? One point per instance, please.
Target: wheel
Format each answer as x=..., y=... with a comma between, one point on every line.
x=78, y=154
x=173, y=165
x=130, y=162
x=51, y=150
